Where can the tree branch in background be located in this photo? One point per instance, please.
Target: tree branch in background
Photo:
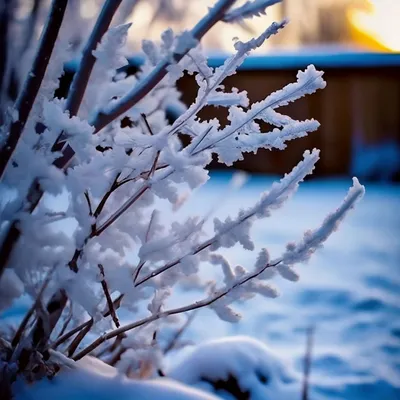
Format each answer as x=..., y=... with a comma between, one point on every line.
x=29, y=33
x=307, y=363
x=22, y=326
x=173, y=342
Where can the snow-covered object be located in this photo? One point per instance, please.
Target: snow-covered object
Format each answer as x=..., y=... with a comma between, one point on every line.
x=238, y=363
x=90, y=175
x=93, y=379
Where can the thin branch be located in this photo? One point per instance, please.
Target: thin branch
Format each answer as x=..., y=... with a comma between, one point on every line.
x=147, y=124
x=271, y=102
x=72, y=332
x=22, y=326
x=29, y=33
x=112, y=112
x=88, y=202
x=120, y=211
x=103, y=201
x=307, y=363
x=42, y=330
x=66, y=322
x=33, y=81
x=172, y=344
x=154, y=165
x=13, y=233
x=198, y=249
x=162, y=314
x=112, y=347
x=108, y=297
x=78, y=339
x=146, y=238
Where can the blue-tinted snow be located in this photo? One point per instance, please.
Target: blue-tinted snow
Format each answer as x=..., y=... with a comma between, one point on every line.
x=350, y=290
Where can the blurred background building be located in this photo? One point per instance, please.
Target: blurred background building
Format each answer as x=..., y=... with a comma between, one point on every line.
x=356, y=43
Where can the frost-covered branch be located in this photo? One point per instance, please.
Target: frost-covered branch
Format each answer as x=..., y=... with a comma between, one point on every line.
x=143, y=87
x=103, y=211
x=312, y=241
x=32, y=84
x=208, y=94
x=179, y=310
x=237, y=230
x=108, y=297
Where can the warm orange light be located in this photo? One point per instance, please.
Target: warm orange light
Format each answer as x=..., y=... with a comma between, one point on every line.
x=379, y=25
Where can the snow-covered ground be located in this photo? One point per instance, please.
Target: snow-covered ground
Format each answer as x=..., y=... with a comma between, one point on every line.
x=350, y=290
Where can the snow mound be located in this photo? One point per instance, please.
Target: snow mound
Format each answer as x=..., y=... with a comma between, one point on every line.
x=93, y=379
x=237, y=367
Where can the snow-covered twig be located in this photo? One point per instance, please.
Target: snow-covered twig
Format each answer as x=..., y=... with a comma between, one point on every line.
x=174, y=341
x=179, y=310
x=105, y=116
x=307, y=247
x=271, y=200
x=22, y=326
x=204, y=96
x=305, y=395
x=108, y=297
x=31, y=87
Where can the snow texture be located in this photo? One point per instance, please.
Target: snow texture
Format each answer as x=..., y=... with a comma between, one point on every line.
x=92, y=378
x=256, y=369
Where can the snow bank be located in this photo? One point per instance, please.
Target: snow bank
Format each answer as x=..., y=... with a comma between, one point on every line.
x=92, y=379
x=255, y=368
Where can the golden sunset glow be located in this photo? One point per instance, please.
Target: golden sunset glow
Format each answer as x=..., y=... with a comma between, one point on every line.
x=378, y=26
